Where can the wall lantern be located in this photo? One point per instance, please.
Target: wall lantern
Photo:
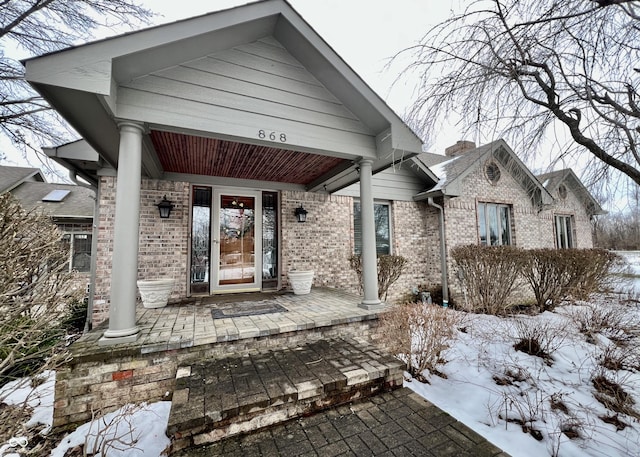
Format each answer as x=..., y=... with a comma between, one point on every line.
x=301, y=214
x=165, y=207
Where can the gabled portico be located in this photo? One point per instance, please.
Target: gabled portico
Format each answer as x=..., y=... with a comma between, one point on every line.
x=249, y=98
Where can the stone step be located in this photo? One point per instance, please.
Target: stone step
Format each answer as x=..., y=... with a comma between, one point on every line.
x=219, y=398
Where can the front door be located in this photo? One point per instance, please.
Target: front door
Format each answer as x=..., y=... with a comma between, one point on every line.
x=237, y=241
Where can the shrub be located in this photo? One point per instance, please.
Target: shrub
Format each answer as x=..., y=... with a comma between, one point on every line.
x=489, y=275
x=389, y=270
x=556, y=274
x=418, y=335
x=548, y=272
x=35, y=284
x=615, y=322
x=540, y=338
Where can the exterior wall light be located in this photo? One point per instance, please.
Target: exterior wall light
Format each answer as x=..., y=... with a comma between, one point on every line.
x=301, y=214
x=165, y=207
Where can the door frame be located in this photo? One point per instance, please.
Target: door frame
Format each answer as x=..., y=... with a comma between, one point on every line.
x=215, y=287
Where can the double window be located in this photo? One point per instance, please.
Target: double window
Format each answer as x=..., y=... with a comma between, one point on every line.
x=564, y=228
x=494, y=224
x=381, y=213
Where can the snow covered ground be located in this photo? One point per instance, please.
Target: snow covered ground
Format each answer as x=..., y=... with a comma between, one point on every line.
x=524, y=404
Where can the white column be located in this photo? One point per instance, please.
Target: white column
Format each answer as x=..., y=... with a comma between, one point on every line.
x=124, y=262
x=369, y=258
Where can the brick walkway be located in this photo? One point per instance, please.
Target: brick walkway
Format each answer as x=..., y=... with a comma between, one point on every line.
x=398, y=423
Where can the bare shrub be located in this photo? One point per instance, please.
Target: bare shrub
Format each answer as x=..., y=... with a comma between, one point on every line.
x=615, y=322
x=615, y=358
x=548, y=273
x=389, y=270
x=112, y=431
x=524, y=408
x=540, y=338
x=489, y=274
x=613, y=395
x=418, y=335
x=35, y=288
x=556, y=274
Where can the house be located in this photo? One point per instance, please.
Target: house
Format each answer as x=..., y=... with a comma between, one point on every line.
x=206, y=139
x=69, y=206
x=487, y=196
x=237, y=118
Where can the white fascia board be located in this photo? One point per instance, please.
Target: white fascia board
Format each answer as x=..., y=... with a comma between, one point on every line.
x=77, y=150
x=340, y=78
x=71, y=70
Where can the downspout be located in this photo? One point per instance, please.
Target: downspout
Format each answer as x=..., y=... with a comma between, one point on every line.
x=94, y=248
x=443, y=255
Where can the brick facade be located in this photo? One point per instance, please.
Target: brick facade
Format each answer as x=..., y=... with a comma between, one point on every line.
x=325, y=242
x=531, y=227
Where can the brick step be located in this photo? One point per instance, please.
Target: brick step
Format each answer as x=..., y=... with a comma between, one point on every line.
x=218, y=398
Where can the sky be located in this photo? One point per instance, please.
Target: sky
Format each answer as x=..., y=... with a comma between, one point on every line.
x=365, y=33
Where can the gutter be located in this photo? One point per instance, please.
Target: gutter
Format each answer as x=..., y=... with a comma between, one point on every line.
x=443, y=255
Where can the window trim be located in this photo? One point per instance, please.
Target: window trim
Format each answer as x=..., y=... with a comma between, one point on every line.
x=70, y=240
x=386, y=203
x=569, y=233
x=481, y=207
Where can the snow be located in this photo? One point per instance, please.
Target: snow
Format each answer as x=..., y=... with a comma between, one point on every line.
x=133, y=430
x=478, y=356
x=143, y=425
x=471, y=394
x=40, y=398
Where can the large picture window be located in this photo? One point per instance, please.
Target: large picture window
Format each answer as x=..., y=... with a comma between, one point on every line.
x=564, y=226
x=381, y=213
x=494, y=224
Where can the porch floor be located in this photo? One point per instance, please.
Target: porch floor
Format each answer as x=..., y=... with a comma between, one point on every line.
x=191, y=323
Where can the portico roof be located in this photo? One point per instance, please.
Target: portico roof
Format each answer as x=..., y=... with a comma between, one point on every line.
x=252, y=85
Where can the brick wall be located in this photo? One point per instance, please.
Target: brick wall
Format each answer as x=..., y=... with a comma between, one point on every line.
x=324, y=243
x=531, y=227
x=163, y=243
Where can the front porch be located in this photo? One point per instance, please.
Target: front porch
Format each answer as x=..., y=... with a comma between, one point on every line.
x=101, y=378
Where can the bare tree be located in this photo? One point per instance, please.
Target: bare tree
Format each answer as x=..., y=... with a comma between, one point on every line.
x=522, y=68
x=41, y=26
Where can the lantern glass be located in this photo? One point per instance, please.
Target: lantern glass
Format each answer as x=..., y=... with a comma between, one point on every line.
x=165, y=207
x=301, y=214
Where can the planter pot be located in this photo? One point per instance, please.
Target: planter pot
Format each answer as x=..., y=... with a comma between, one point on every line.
x=301, y=281
x=155, y=292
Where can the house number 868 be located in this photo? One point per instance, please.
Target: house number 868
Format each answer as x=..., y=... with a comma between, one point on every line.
x=273, y=136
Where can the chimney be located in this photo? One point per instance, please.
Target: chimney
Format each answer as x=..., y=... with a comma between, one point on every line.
x=459, y=148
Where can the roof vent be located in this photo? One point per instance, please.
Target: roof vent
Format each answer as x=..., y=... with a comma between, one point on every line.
x=56, y=195
x=562, y=191
x=492, y=171
x=459, y=148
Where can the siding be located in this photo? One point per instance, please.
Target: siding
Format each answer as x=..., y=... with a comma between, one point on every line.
x=239, y=91
x=399, y=184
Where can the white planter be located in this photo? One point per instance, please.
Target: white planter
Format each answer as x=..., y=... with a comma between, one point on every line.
x=155, y=292
x=301, y=281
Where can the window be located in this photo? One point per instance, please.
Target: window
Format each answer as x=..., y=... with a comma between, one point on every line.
x=79, y=245
x=565, y=237
x=381, y=213
x=494, y=224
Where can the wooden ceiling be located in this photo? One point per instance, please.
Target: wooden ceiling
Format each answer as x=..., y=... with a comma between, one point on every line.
x=179, y=153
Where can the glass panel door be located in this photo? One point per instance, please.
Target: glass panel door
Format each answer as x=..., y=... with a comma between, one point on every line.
x=238, y=249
